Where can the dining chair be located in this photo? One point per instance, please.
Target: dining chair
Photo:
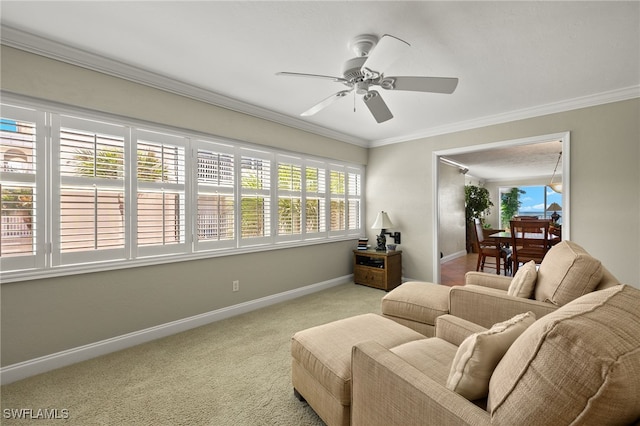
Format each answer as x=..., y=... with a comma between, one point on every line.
x=488, y=247
x=529, y=241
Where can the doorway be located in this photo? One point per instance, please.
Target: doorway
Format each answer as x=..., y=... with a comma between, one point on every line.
x=563, y=138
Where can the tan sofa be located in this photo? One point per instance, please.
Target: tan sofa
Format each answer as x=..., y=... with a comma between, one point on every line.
x=567, y=272
x=322, y=361
x=578, y=365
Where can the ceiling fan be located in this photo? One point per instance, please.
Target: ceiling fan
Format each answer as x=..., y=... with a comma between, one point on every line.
x=366, y=70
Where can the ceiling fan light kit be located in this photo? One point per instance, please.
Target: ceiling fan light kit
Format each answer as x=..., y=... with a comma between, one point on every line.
x=373, y=56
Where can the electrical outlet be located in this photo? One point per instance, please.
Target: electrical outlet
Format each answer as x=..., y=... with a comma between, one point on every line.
x=236, y=285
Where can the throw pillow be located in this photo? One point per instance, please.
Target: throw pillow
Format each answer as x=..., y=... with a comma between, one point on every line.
x=480, y=353
x=524, y=281
x=566, y=273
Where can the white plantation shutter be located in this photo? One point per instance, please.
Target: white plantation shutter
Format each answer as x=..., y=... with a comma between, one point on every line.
x=84, y=191
x=338, y=211
x=255, y=192
x=354, y=199
x=90, y=184
x=91, y=219
x=289, y=197
x=21, y=187
x=160, y=201
x=215, y=183
x=315, y=201
x=345, y=183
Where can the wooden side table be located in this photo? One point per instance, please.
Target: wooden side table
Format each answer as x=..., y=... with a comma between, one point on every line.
x=379, y=269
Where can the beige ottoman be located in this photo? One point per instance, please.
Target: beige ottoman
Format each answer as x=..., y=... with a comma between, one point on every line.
x=321, y=361
x=417, y=304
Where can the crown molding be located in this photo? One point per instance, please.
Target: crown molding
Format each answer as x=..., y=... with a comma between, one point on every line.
x=41, y=46
x=552, y=108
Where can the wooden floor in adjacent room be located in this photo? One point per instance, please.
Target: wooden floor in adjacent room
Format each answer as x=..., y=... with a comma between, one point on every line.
x=452, y=272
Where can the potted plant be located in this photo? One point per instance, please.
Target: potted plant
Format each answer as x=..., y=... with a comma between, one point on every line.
x=477, y=203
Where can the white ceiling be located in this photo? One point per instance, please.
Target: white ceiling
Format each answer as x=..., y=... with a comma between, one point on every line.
x=514, y=59
x=533, y=160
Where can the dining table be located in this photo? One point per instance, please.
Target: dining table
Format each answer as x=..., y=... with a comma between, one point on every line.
x=504, y=237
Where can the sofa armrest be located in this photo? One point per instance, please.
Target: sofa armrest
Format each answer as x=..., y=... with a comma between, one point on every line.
x=386, y=390
x=487, y=306
x=454, y=330
x=485, y=279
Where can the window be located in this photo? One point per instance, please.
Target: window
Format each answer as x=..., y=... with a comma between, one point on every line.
x=255, y=204
x=527, y=201
x=84, y=191
x=160, y=196
x=315, y=205
x=215, y=222
x=355, y=191
x=21, y=188
x=290, y=197
x=338, y=209
x=90, y=189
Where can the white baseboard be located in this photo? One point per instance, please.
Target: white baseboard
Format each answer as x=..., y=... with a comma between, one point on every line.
x=453, y=256
x=14, y=372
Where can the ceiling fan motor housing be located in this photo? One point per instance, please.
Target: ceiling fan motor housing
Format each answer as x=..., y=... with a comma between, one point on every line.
x=351, y=70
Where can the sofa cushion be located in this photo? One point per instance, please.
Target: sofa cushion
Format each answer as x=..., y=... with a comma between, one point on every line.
x=324, y=351
x=417, y=301
x=566, y=273
x=479, y=354
x=431, y=356
x=581, y=362
x=524, y=281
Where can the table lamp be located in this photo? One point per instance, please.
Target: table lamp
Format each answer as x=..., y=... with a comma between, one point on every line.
x=383, y=223
x=555, y=208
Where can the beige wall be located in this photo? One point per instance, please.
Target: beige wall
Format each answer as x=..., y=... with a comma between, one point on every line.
x=42, y=78
x=41, y=317
x=452, y=234
x=605, y=183
x=45, y=316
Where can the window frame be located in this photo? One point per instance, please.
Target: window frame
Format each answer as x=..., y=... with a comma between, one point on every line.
x=290, y=194
x=220, y=148
x=49, y=261
x=37, y=259
x=145, y=136
x=58, y=182
x=321, y=194
x=260, y=155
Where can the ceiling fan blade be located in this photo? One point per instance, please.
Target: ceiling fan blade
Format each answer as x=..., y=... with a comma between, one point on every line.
x=386, y=52
x=420, y=84
x=325, y=103
x=325, y=77
x=377, y=106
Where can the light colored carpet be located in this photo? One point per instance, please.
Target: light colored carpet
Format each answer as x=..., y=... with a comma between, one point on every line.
x=231, y=372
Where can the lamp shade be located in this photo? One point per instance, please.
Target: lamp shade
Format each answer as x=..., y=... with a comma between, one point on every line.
x=554, y=207
x=382, y=221
x=557, y=187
